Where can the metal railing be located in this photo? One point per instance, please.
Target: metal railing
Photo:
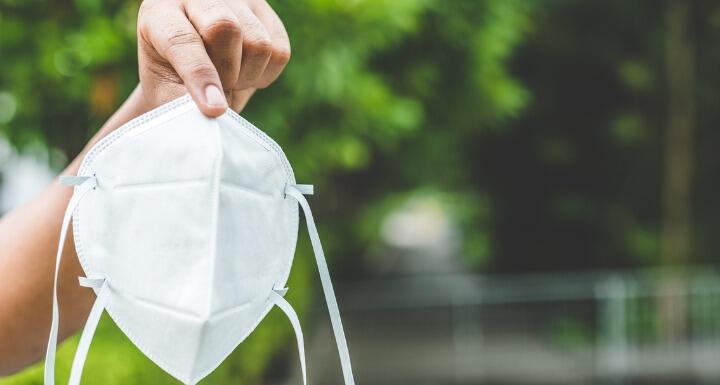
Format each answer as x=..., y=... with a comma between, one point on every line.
x=596, y=327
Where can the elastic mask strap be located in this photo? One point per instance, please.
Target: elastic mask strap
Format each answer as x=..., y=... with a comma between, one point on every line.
x=85, y=184
x=276, y=296
x=305, y=189
x=327, y=287
x=90, y=326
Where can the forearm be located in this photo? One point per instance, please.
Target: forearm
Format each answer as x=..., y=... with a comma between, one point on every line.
x=28, y=240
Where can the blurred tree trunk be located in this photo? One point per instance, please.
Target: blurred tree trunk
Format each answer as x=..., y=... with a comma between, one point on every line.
x=679, y=139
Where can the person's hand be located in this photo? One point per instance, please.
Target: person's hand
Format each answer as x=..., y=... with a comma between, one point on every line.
x=218, y=51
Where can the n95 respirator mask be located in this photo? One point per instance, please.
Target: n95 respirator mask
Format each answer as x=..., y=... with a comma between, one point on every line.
x=186, y=228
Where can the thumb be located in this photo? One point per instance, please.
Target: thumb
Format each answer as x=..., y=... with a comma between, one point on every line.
x=182, y=48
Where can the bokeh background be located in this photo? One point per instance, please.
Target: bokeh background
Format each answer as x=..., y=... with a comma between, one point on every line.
x=509, y=191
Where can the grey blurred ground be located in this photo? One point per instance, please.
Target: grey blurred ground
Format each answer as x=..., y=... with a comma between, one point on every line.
x=592, y=328
x=425, y=319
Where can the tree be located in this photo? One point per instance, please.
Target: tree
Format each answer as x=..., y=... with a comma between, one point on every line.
x=379, y=98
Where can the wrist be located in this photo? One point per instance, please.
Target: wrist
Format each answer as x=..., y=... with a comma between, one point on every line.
x=134, y=106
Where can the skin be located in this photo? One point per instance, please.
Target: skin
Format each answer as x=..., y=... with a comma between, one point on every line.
x=220, y=52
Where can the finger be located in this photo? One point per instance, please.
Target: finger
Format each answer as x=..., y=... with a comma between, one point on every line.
x=176, y=40
x=239, y=98
x=280, y=54
x=257, y=46
x=220, y=31
x=158, y=79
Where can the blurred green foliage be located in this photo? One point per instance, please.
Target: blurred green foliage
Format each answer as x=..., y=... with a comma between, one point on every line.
x=537, y=125
x=380, y=97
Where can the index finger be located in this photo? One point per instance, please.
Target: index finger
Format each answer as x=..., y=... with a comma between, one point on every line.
x=177, y=41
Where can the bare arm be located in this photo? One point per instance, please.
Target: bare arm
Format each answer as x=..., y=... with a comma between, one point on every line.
x=28, y=241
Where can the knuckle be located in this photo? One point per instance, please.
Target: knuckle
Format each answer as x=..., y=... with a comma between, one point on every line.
x=260, y=47
x=201, y=70
x=178, y=39
x=143, y=28
x=222, y=28
x=281, y=55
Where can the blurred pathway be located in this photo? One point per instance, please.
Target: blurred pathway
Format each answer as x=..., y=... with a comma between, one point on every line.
x=437, y=339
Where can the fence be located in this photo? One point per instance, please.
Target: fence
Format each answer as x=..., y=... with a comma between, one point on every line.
x=599, y=328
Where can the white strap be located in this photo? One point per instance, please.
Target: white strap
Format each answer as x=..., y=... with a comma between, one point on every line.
x=277, y=297
x=92, y=283
x=326, y=285
x=305, y=189
x=85, y=186
x=281, y=292
x=67, y=180
x=90, y=327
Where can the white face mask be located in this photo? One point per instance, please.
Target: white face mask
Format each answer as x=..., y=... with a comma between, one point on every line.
x=186, y=228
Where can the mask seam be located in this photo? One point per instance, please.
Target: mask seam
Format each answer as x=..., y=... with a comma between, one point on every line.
x=159, y=184
x=215, y=207
x=268, y=306
x=265, y=138
x=213, y=248
x=132, y=337
x=123, y=130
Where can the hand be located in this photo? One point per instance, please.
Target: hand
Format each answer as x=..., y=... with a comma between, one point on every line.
x=219, y=51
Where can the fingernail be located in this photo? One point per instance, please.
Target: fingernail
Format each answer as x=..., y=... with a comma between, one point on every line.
x=215, y=97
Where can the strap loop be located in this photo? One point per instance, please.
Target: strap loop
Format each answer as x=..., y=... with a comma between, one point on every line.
x=327, y=287
x=92, y=283
x=85, y=186
x=276, y=296
x=281, y=292
x=67, y=180
x=304, y=189
x=90, y=327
